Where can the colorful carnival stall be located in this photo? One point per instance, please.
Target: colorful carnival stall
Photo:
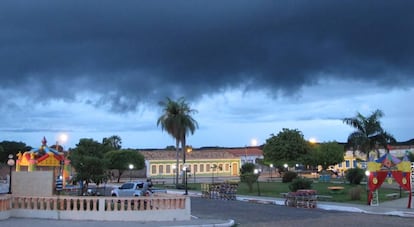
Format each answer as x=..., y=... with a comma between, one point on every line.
x=389, y=167
x=44, y=158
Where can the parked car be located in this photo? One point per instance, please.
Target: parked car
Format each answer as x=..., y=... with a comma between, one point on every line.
x=137, y=188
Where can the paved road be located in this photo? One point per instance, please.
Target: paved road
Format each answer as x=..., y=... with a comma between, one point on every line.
x=252, y=214
x=244, y=214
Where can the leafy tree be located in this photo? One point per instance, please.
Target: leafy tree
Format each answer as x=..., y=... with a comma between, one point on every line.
x=11, y=147
x=114, y=142
x=288, y=146
x=368, y=134
x=121, y=159
x=89, y=163
x=326, y=154
x=176, y=119
x=248, y=176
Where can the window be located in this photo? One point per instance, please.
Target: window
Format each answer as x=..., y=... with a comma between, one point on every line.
x=160, y=169
x=127, y=186
x=340, y=165
x=153, y=169
x=201, y=167
x=347, y=164
x=354, y=164
x=207, y=167
x=168, y=169
x=195, y=168
x=220, y=167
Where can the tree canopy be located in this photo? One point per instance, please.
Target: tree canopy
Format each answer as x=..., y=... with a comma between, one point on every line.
x=121, y=159
x=288, y=146
x=88, y=160
x=11, y=147
x=325, y=154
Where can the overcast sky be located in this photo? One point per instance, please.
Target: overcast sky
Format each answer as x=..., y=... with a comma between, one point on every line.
x=93, y=69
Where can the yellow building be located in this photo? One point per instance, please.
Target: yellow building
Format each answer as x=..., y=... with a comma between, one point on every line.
x=200, y=162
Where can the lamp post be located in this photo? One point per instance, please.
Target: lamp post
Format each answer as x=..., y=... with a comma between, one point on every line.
x=257, y=172
x=185, y=169
x=11, y=163
x=271, y=170
x=130, y=171
x=174, y=168
x=367, y=173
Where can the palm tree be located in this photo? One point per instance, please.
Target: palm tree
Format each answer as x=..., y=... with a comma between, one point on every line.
x=114, y=142
x=178, y=122
x=368, y=134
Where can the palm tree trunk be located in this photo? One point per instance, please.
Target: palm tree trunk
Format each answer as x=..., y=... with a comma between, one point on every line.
x=183, y=142
x=177, y=167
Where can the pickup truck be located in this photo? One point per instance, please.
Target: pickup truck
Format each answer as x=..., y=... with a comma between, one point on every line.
x=135, y=189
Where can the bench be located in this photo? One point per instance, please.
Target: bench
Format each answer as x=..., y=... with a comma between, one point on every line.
x=336, y=189
x=284, y=194
x=158, y=182
x=324, y=197
x=392, y=196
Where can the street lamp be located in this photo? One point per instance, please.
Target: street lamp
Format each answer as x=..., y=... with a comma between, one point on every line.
x=185, y=169
x=271, y=170
x=173, y=170
x=367, y=173
x=11, y=163
x=130, y=171
x=257, y=172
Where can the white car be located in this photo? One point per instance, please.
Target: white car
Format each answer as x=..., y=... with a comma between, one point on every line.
x=129, y=189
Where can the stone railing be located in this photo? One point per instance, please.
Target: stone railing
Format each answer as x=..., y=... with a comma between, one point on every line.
x=154, y=208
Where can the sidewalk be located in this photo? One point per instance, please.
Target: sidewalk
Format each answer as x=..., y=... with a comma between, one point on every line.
x=397, y=207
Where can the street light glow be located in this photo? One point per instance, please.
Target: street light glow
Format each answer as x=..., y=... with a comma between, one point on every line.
x=253, y=142
x=312, y=140
x=63, y=138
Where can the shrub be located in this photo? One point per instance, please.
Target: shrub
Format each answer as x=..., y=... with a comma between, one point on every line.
x=300, y=183
x=355, y=176
x=247, y=175
x=289, y=176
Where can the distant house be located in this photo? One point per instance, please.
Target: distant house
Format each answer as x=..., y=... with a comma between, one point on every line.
x=247, y=154
x=201, y=162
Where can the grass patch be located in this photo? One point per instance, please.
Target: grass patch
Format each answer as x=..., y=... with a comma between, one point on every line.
x=274, y=189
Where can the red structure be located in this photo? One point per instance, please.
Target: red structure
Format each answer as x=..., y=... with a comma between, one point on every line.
x=389, y=166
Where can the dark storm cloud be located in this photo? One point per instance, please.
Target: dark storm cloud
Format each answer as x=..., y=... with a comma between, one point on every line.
x=131, y=52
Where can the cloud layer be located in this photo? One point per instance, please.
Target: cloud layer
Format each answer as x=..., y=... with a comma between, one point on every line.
x=124, y=56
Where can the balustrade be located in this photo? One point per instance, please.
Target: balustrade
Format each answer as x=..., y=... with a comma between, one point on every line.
x=64, y=206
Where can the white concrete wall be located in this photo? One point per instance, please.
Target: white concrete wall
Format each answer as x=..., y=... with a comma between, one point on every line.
x=37, y=183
